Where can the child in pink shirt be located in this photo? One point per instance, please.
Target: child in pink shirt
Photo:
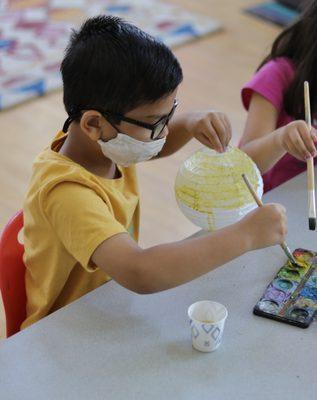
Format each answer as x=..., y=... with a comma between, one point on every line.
x=275, y=136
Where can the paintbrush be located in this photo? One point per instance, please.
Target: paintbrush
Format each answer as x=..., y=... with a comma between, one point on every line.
x=260, y=204
x=310, y=166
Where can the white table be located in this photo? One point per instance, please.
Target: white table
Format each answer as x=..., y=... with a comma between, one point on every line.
x=113, y=344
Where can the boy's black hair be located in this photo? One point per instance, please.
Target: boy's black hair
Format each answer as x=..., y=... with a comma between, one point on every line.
x=113, y=65
x=298, y=42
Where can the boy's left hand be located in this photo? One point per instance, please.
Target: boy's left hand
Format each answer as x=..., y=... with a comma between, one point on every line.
x=211, y=128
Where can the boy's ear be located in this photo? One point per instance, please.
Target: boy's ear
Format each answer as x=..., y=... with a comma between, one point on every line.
x=92, y=123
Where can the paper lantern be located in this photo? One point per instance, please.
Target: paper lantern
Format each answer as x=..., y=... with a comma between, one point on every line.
x=210, y=190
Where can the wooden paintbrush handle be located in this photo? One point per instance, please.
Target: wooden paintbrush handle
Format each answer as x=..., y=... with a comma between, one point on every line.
x=252, y=191
x=310, y=174
x=311, y=188
x=310, y=165
x=307, y=104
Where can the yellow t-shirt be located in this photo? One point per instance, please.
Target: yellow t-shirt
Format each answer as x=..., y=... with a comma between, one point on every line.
x=68, y=213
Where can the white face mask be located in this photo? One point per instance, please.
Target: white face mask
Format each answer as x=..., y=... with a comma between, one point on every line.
x=125, y=150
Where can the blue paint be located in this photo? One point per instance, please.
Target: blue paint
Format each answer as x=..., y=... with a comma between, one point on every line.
x=310, y=292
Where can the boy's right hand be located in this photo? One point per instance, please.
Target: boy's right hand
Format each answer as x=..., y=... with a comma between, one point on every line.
x=298, y=140
x=265, y=226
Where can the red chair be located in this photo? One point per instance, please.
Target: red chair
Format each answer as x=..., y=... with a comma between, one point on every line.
x=12, y=274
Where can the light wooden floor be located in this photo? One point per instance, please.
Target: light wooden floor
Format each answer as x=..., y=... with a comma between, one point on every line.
x=215, y=68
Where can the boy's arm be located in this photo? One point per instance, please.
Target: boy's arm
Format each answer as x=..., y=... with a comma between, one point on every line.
x=211, y=128
x=168, y=265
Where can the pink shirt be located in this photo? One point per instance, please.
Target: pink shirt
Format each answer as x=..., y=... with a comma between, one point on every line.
x=271, y=81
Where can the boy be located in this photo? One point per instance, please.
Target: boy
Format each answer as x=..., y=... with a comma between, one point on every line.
x=82, y=208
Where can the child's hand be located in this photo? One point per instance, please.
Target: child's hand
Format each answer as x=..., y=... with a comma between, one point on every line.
x=298, y=141
x=265, y=226
x=211, y=128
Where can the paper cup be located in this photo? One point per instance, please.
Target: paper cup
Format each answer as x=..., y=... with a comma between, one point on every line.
x=207, y=320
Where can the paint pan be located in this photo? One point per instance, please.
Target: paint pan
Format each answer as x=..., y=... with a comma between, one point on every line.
x=291, y=297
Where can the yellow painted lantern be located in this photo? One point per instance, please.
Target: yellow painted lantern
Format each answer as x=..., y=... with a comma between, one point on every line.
x=210, y=190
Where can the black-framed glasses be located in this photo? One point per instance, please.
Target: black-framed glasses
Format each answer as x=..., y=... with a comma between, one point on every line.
x=156, y=128
x=115, y=119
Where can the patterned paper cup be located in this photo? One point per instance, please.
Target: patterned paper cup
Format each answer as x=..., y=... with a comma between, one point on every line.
x=207, y=320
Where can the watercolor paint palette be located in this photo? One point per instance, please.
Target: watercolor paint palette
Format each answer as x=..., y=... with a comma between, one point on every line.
x=291, y=297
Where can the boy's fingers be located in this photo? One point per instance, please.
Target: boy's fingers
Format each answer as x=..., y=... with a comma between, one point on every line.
x=213, y=137
x=205, y=140
x=210, y=135
x=218, y=129
x=228, y=128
